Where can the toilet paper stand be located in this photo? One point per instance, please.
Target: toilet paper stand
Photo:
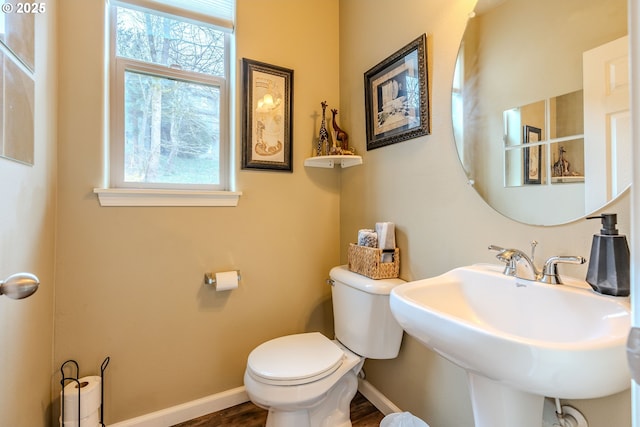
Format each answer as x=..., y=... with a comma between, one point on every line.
x=66, y=379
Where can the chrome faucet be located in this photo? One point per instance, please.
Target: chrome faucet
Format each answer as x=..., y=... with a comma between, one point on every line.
x=511, y=257
x=548, y=274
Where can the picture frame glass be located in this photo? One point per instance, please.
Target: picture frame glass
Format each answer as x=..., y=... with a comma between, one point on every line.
x=267, y=102
x=533, y=155
x=267, y=116
x=397, y=96
x=396, y=105
x=17, y=98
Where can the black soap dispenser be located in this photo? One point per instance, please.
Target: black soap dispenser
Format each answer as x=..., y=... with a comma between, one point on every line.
x=609, y=263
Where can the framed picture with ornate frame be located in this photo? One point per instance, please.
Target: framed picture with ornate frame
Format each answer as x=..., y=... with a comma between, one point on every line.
x=267, y=121
x=532, y=155
x=397, y=96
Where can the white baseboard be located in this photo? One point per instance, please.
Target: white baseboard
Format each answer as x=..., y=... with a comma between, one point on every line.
x=226, y=399
x=188, y=411
x=378, y=399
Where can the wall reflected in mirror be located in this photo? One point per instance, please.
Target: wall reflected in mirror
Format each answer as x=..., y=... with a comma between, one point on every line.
x=523, y=64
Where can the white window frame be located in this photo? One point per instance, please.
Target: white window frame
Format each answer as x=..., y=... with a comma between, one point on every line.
x=121, y=193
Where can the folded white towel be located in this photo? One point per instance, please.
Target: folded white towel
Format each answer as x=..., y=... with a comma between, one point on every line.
x=386, y=239
x=367, y=237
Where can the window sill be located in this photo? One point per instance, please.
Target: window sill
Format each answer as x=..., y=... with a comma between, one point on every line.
x=149, y=197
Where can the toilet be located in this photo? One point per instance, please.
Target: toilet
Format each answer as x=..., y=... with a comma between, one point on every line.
x=309, y=380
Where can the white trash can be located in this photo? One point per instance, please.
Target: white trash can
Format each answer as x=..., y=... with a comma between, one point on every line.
x=402, y=419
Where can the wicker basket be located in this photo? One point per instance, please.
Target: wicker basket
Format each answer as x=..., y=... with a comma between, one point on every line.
x=367, y=261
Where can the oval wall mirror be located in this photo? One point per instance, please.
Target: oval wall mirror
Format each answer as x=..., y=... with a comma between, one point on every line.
x=540, y=104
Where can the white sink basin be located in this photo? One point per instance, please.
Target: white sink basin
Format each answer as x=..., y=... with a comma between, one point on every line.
x=519, y=337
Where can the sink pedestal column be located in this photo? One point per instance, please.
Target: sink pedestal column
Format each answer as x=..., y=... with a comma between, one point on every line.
x=498, y=405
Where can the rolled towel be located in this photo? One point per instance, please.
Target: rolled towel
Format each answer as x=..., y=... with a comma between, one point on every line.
x=386, y=239
x=367, y=237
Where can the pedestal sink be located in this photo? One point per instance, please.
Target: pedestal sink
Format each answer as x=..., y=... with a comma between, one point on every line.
x=519, y=340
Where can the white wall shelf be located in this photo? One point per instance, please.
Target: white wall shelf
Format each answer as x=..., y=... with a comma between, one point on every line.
x=562, y=179
x=344, y=161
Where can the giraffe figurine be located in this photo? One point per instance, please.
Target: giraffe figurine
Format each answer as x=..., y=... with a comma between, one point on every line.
x=323, y=138
x=340, y=135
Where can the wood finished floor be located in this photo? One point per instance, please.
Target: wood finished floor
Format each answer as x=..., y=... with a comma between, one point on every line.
x=363, y=414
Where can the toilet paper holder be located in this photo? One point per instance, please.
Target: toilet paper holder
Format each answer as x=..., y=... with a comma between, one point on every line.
x=210, y=278
x=76, y=379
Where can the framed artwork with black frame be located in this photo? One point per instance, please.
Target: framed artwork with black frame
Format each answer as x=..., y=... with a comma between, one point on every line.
x=397, y=96
x=267, y=121
x=532, y=155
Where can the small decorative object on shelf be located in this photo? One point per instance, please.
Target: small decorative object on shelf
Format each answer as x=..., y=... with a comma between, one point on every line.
x=336, y=144
x=323, y=145
x=341, y=144
x=562, y=167
x=563, y=171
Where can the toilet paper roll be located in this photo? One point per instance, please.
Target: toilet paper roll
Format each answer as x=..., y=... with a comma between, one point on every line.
x=90, y=398
x=93, y=420
x=226, y=280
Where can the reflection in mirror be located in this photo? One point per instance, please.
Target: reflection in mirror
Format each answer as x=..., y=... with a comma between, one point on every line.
x=527, y=146
x=531, y=134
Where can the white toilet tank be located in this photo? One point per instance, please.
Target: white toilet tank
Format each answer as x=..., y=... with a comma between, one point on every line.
x=363, y=321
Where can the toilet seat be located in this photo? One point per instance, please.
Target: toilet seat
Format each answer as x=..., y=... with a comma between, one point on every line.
x=295, y=359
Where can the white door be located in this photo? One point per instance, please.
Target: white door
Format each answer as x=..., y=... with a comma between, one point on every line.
x=607, y=122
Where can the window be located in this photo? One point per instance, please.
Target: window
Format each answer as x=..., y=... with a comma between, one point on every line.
x=457, y=104
x=544, y=141
x=169, y=95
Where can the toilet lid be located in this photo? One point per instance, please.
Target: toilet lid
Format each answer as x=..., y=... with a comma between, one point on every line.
x=295, y=359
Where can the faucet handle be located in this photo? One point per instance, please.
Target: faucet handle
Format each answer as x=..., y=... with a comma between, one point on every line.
x=495, y=248
x=508, y=257
x=550, y=271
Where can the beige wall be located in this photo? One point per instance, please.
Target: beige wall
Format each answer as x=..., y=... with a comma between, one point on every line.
x=441, y=221
x=129, y=280
x=27, y=234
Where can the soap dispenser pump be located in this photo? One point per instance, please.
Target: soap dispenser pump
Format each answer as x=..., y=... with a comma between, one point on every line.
x=609, y=263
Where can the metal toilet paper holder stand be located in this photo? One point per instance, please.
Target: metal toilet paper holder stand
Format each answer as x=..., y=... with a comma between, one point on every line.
x=75, y=379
